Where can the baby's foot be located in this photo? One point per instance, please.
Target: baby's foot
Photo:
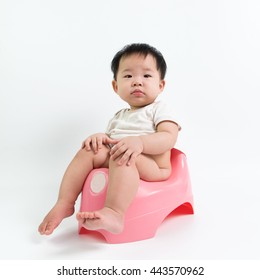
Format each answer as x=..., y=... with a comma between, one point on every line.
x=106, y=218
x=60, y=211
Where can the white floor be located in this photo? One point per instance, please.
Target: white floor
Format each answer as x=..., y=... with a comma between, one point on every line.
x=225, y=225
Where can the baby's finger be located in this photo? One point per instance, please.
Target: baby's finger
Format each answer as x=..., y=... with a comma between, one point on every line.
x=125, y=157
x=94, y=144
x=86, y=144
x=116, y=151
x=112, y=141
x=132, y=159
x=113, y=150
x=99, y=143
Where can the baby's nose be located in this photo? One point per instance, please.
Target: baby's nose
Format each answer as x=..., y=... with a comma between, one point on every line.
x=137, y=83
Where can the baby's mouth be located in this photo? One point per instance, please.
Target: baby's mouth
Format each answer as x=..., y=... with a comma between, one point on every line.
x=137, y=93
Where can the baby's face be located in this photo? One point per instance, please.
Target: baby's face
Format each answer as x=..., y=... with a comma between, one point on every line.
x=138, y=80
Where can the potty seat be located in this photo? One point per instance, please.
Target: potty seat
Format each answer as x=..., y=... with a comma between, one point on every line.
x=154, y=201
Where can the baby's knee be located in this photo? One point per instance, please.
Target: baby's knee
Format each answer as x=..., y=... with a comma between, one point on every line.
x=101, y=158
x=84, y=154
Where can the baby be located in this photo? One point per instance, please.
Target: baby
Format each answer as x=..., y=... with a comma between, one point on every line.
x=136, y=145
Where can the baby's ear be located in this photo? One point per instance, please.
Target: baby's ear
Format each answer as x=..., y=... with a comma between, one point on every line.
x=114, y=85
x=162, y=85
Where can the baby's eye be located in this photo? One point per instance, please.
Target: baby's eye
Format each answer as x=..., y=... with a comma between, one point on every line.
x=147, y=76
x=128, y=76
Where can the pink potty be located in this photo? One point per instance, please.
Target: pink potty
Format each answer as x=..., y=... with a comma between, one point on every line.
x=153, y=203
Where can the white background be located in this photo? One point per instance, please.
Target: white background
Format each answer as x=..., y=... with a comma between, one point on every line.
x=55, y=90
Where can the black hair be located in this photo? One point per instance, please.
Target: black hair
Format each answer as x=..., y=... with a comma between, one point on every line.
x=142, y=49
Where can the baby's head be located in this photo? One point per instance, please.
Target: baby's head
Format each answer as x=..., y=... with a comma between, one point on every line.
x=140, y=49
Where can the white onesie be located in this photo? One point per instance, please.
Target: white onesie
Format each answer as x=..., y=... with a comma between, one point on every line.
x=140, y=121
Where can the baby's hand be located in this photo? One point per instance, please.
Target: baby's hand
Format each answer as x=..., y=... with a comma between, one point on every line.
x=126, y=150
x=96, y=141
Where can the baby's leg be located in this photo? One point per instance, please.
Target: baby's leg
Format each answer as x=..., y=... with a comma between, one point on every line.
x=123, y=185
x=71, y=186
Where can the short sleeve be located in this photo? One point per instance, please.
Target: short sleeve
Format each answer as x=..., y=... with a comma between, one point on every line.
x=163, y=112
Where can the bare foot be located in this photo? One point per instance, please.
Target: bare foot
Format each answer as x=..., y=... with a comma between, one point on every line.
x=106, y=218
x=60, y=211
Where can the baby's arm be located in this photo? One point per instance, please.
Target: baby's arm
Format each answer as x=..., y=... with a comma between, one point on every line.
x=161, y=141
x=156, y=143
